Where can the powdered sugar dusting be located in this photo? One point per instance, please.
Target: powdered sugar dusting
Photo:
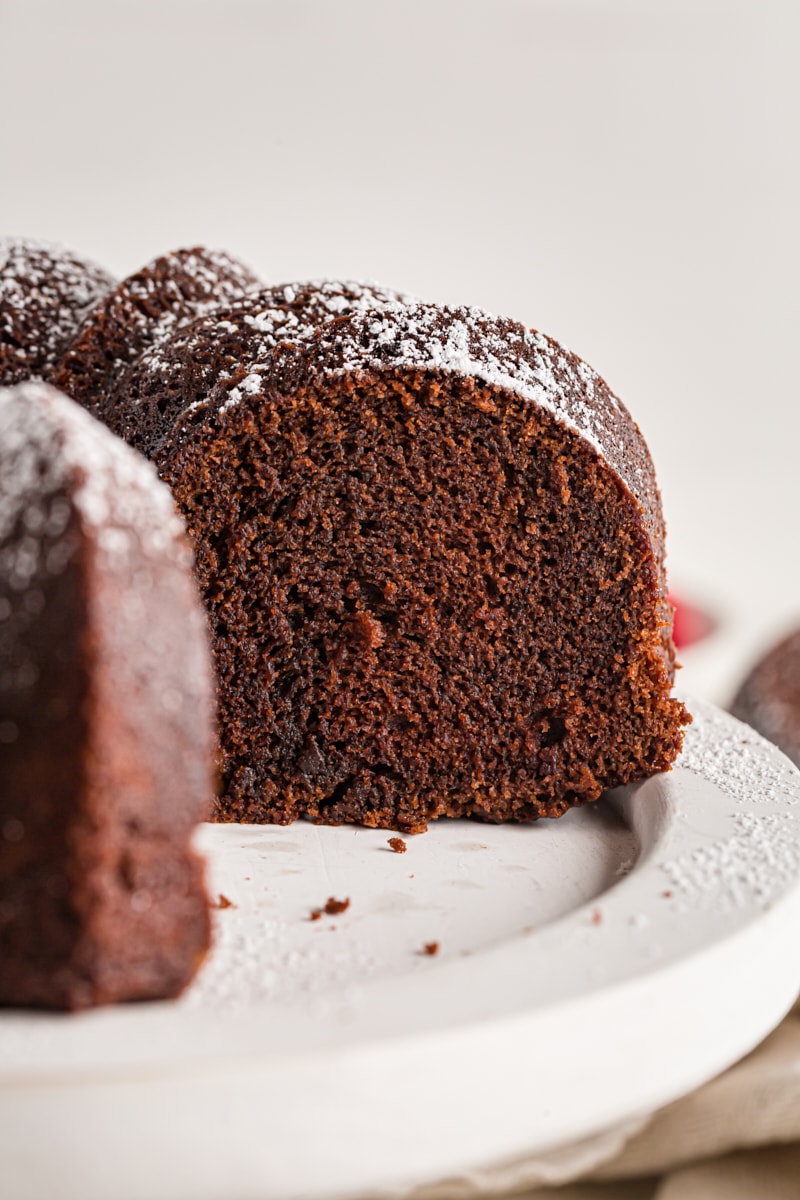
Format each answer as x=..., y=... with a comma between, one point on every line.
x=760, y=855
x=268, y=952
x=722, y=750
x=78, y=504
x=210, y=365
x=260, y=321
x=420, y=341
x=54, y=456
x=45, y=290
x=327, y=329
x=250, y=386
x=378, y=330
x=471, y=343
x=179, y=287
x=142, y=311
x=276, y=966
x=754, y=863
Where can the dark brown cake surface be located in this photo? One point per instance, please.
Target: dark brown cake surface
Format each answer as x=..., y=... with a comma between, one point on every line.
x=106, y=717
x=431, y=546
x=769, y=698
x=233, y=343
x=45, y=291
x=143, y=309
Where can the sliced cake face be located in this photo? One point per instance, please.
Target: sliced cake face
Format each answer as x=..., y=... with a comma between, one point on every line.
x=431, y=548
x=233, y=344
x=45, y=291
x=145, y=308
x=106, y=719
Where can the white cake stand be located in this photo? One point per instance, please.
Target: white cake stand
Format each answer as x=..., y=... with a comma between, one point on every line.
x=587, y=970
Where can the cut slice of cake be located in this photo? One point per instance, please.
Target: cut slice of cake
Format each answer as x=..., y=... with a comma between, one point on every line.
x=432, y=550
x=106, y=719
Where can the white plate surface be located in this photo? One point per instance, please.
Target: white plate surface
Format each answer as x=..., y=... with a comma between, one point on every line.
x=588, y=969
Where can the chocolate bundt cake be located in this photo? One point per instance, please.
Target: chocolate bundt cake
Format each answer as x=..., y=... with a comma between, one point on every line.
x=106, y=726
x=769, y=698
x=431, y=547
x=45, y=291
x=144, y=308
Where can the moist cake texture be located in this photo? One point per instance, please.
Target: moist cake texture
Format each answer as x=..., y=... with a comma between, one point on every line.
x=431, y=547
x=45, y=292
x=143, y=309
x=106, y=718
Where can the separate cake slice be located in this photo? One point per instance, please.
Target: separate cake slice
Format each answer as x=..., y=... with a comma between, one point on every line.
x=142, y=310
x=432, y=549
x=106, y=720
x=45, y=291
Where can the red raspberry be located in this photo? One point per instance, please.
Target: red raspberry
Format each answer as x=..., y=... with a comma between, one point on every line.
x=689, y=624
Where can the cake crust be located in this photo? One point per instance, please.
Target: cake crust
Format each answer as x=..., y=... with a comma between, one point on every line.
x=231, y=345
x=140, y=312
x=45, y=291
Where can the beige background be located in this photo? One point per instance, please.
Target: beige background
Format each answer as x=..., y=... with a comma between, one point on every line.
x=621, y=174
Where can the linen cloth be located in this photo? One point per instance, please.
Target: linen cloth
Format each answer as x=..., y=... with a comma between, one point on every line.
x=735, y=1138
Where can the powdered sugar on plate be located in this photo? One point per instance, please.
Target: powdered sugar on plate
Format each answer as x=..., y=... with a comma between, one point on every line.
x=725, y=752
x=759, y=855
